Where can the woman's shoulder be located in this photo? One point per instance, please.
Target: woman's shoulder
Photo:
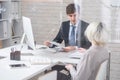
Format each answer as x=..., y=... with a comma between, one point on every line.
x=97, y=50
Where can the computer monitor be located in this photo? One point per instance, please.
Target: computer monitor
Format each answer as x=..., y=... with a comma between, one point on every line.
x=28, y=33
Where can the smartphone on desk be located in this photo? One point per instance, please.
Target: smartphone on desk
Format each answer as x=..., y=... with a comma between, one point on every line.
x=17, y=65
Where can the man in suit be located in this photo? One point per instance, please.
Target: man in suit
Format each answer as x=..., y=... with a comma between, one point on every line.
x=79, y=42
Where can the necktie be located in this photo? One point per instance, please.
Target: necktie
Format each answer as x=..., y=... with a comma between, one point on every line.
x=72, y=37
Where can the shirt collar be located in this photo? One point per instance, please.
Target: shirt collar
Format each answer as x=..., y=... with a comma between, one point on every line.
x=75, y=24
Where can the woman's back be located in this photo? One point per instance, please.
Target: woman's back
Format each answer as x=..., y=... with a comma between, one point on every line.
x=87, y=69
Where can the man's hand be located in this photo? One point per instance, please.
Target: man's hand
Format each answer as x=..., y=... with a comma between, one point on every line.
x=82, y=50
x=47, y=43
x=69, y=48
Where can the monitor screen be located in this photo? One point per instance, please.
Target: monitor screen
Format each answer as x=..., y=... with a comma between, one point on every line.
x=28, y=33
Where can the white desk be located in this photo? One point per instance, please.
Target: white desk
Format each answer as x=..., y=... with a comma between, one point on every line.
x=7, y=73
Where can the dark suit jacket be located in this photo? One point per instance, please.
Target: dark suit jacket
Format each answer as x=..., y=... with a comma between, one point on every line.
x=63, y=34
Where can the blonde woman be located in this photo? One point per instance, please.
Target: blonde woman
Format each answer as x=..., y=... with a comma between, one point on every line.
x=88, y=67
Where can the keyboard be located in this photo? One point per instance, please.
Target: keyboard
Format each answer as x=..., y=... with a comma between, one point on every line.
x=36, y=60
x=41, y=47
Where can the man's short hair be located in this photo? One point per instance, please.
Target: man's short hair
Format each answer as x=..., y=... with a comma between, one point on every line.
x=72, y=8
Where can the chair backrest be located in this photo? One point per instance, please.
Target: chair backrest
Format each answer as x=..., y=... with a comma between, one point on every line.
x=108, y=70
x=102, y=72
x=49, y=76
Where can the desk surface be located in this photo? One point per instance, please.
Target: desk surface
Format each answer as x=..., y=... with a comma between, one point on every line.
x=8, y=73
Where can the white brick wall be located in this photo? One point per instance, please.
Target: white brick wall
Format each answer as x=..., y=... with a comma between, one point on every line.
x=46, y=18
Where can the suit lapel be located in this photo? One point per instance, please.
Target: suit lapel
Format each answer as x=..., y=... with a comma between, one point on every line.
x=66, y=30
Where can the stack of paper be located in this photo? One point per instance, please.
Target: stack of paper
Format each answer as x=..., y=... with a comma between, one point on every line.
x=76, y=55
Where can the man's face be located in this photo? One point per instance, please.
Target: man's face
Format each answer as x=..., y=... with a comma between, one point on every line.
x=72, y=18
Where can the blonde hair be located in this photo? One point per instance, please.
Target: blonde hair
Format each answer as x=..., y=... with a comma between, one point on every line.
x=97, y=33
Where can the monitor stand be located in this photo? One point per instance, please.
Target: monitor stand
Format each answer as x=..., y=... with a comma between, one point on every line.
x=22, y=40
x=29, y=48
